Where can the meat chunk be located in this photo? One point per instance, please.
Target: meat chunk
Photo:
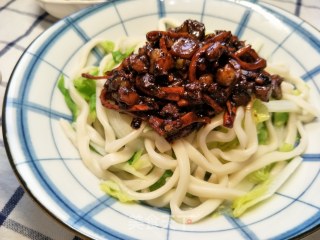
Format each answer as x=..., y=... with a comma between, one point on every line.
x=195, y=28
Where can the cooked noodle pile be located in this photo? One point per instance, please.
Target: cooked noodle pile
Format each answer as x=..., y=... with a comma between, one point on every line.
x=199, y=171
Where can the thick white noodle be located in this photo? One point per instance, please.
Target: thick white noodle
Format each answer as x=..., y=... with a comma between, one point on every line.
x=147, y=195
x=109, y=134
x=205, y=189
x=217, y=136
x=162, y=201
x=282, y=106
x=273, y=142
x=116, y=157
x=202, y=142
x=291, y=127
x=203, y=162
x=184, y=178
x=271, y=157
x=160, y=142
x=248, y=138
x=163, y=161
x=85, y=52
x=82, y=141
x=120, y=142
x=302, y=103
x=139, y=184
x=82, y=136
x=197, y=213
x=119, y=122
x=237, y=127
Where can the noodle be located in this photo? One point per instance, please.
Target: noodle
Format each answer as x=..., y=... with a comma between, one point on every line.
x=195, y=174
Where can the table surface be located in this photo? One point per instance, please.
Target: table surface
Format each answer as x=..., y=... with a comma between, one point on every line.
x=21, y=21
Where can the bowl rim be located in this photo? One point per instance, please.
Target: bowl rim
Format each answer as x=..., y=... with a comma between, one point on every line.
x=72, y=2
x=8, y=149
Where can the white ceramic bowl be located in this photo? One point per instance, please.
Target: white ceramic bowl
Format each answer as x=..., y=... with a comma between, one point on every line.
x=50, y=168
x=63, y=8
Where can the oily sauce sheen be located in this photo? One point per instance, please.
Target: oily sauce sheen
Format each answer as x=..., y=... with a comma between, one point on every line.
x=183, y=77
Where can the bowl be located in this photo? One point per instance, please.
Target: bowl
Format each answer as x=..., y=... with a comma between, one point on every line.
x=51, y=171
x=63, y=8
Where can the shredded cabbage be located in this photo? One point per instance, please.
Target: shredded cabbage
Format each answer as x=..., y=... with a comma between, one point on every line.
x=260, y=111
x=67, y=98
x=265, y=189
x=107, y=46
x=263, y=134
x=161, y=181
x=280, y=118
x=260, y=175
x=113, y=189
